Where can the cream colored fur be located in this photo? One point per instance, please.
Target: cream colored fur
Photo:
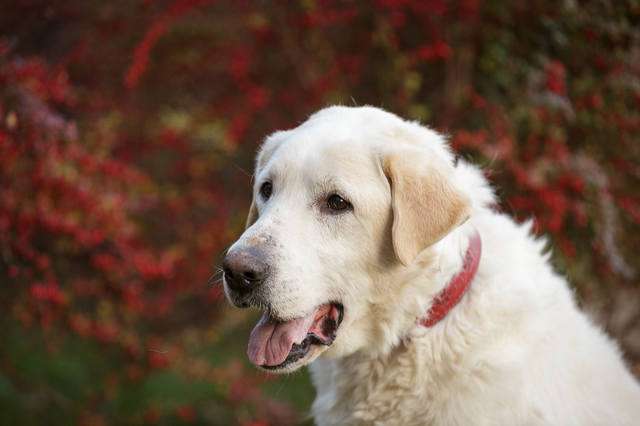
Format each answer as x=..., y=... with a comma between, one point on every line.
x=515, y=351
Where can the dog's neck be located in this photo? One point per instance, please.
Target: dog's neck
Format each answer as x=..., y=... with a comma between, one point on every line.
x=447, y=268
x=416, y=289
x=349, y=382
x=449, y=296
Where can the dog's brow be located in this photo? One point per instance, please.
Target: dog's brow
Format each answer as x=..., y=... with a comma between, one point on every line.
x=265, y=174
x=329, y=185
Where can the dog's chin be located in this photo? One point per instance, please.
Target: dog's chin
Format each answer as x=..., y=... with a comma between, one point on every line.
x=291, y=365
x=283, y=346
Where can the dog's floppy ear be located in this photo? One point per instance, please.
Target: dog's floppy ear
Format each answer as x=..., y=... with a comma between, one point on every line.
x=266, y=152
x=426, y=204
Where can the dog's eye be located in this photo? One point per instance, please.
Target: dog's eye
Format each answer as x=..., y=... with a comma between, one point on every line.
x=265, y=190
x=337, y=203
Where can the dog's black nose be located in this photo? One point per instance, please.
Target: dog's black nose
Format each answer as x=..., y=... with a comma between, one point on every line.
x=244, y=270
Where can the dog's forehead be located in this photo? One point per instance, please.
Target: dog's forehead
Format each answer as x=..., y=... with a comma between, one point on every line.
x=338, y=142
x=322, y=155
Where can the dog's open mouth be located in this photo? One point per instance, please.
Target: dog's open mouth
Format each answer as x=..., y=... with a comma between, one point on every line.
x=274, y=344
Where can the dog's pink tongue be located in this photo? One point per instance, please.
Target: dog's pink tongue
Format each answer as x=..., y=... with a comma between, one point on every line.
x=270, y=342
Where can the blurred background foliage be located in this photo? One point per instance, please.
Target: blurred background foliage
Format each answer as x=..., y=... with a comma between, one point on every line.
x=127, y=135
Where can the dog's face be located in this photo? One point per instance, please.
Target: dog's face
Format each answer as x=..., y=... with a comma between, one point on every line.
x=340, y=204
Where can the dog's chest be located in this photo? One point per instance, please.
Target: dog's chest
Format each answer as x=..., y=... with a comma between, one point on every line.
x=410, y=387
x=356, y=390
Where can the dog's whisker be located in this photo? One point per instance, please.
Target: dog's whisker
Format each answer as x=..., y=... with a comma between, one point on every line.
x=246, y=173
x=215, y=278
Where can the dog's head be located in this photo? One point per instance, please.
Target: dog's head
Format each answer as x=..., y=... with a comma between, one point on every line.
x=340, y=204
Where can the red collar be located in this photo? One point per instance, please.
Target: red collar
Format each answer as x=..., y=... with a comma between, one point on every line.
x=457, y=287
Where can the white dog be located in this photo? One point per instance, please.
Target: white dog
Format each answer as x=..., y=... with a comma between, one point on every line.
x=377, y=257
